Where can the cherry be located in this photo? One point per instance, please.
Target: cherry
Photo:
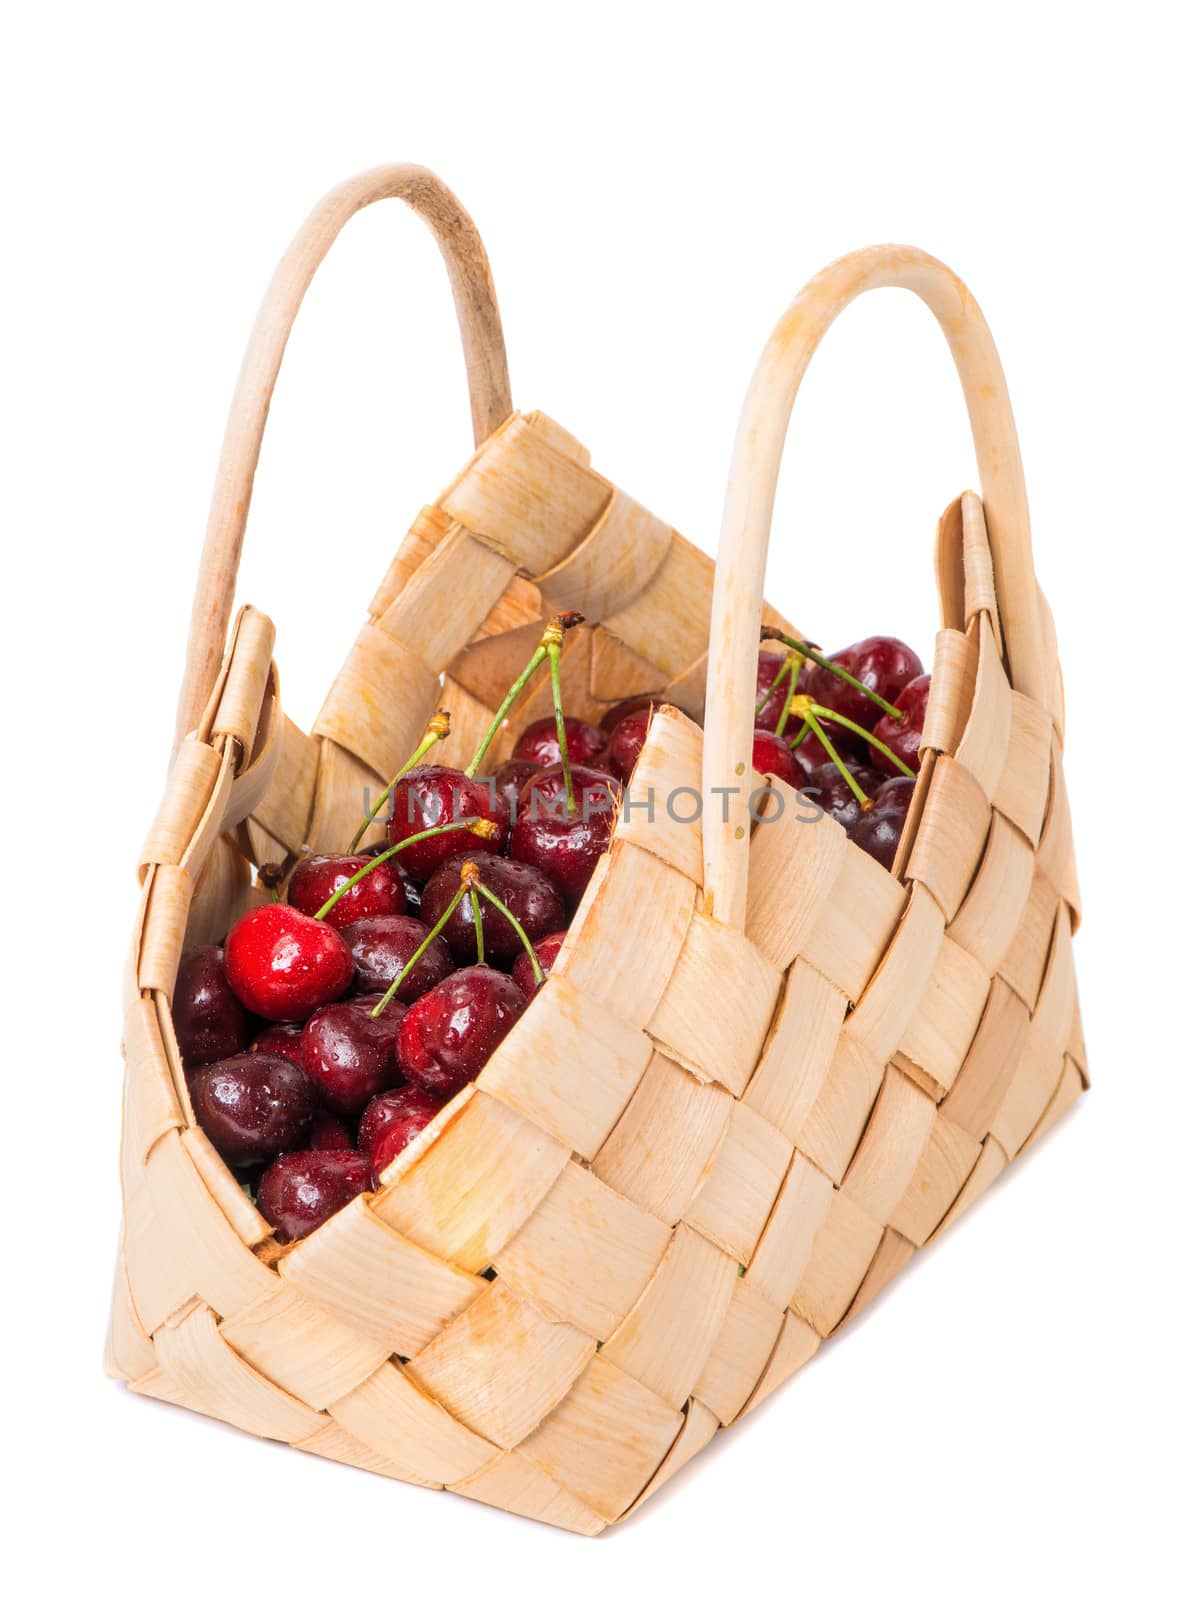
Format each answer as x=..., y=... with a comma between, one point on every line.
x=328, y=1132
x=626, y=742
x=395, y=1108
x=304, y=1188
x=281, y=1039
x=382, y=946
x=772, y=756
x=506, y=783
x=770, y=664
x=539, y=743
x=828, y=787
x=811, y=753
x=610, y=719
x=413, y=892
x=252, y=1106
x=428, y=797
x=209, y=1019
x=282, y=965
x=525, y=890
x=350, y=1055
x=546, y=950
x=879, y=828
x=396, y=1135
x=905, y=737
x=566, y=847
x=380, y=892
x=882, y=664
x=448, y=1035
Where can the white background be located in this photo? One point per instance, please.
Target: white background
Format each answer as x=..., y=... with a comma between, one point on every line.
x=653, y=184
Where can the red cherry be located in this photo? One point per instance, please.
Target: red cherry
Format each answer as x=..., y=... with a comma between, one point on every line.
x=430, y=796
x=566, y=848
x=316, y=879
x=448, y=1035
x=585, y=743
x=350, y=1055
x=252, y=1106
x=301, y=1190
x=770, y=664
x=526, y=891
x=829, y=789
x=209, y=1019
x=328, y=1132
x=610, y=719
x=395, y=1136
x=772, y=757
x=879, y=829
x=281, y=1039
x=381, y=949
x=506, y=783
x=282, y=965
x=547, y=950
x=626, y=742
x=409, y=1108
x=904, y=738
x=882, y=664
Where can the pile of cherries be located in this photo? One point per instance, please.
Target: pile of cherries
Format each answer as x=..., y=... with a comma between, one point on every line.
x=334, y=1025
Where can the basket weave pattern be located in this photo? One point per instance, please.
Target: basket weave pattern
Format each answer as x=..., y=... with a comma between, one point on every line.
x=699, y=1153
x=764, y=1071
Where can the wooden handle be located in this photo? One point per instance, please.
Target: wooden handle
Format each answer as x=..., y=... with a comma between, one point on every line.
x=745, y=530
x=483, y=350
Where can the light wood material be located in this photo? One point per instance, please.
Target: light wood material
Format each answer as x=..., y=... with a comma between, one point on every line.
x=711, y=1140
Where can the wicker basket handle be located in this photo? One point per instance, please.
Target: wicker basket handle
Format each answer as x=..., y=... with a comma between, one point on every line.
x=745, y=530
x=483, y=350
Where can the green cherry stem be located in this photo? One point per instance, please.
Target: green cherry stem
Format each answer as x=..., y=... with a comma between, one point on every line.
x=550, y=641
x=498, y=904
x=559, y=719
x=855, y=727
x=391, y=992
x=810, y=721
x=480, y=826
x=477, y=924
x=437, y=728
x=792, y=689
x=830, y=666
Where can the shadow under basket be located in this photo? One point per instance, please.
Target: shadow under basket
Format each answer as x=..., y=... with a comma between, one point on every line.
x=764, y=1071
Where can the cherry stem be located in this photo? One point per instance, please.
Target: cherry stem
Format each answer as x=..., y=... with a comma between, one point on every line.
x=437, y=728
x=788, y=659
x=810, y=721
x=878, y=744
x=498, y=904
x=477, y=924
x=559, y=719
x=477, y=825
x=551, y=639
x=830, y=666
x=391, y=992
x=792, y=687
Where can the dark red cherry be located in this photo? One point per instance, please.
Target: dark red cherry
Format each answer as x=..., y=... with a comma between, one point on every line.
x=526, y=891
x=828, y=788
x=381, y=949
x=396, y=1135
x=395, y=1107
x=883, y=664
x=350, y=1055
x=769, y=666
x=328, y=1132
x=379, y=893
x=209, y=1019
x=627, y=741
x=811, y=753
x=252, y=1106
x=904, y=738
x=566, y=848
x=282, y=965
x=585, y=743
x=879, y=829
x=301, y=1190
x=610, y=720
x=281, y=1039
x=506, y=783
x=430, y=796
x=547, y=950
x=447, y=1036
x=772, y=757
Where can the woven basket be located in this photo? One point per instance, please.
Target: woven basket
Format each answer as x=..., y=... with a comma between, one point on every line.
x=765, y=1071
